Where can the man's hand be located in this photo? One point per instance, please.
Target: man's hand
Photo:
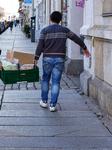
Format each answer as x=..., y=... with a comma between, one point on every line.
x=86, y=52
x=35, y=63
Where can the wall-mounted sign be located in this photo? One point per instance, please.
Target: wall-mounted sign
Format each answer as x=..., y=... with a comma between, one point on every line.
x=28, y=1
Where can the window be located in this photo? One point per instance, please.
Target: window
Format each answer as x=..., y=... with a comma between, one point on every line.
x=106, y=8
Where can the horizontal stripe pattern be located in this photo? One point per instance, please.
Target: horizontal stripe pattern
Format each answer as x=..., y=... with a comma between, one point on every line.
x=70, y=34
x=55, y=53
x=42, y=36
x=37, y=55
x=53, y=35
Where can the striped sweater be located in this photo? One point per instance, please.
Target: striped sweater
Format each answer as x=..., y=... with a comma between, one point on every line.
x=52, y=41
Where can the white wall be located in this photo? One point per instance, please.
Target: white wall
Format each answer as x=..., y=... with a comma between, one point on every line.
x=75, y=21
x=53, y=5
x=88, y=21
x=58, y=5
x=87, y=17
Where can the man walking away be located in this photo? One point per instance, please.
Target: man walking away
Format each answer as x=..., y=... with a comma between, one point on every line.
x=11, y=25
x=52, y=43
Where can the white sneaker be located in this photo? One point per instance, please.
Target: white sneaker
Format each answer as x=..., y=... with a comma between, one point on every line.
x=43, y=104
x=52, y=108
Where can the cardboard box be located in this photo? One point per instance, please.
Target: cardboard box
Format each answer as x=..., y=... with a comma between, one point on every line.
x=19, y=57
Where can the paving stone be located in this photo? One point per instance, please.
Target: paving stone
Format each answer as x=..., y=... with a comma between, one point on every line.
x=1, y=83
x=30, y=86
x=75, y=87
x=43, y=121
x=78, y=90
x=35, y=100
x=73, y=91
x=65, y=78
x=8, y=87
x=22, y=100
x=77, y=96
x=81, y=92
x=75, y=80
x=59, y=142
x=14, y=92
x=23, y=106
x=24, y=43
x=53, y=131
x=35, y=148
x=15, y=86
x=1, y=93
x=71, y=102
x=47, y=113
x=34, y=94
x=70, y=83
x=72, y=87
x=62, y=83
x=2, y=88
x=65, y=88
x=76, y=106
x=23, y=86
x=37, y=85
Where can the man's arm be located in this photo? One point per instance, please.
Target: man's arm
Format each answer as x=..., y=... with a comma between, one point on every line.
x=86, y=52
x=39, y=48
x=35, y=63
x=38, y=52
x=72, y=36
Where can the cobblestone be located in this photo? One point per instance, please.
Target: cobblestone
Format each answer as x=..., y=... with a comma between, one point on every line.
x=15, y=86
x=2, y=88
x=1, y=83
x=63, y=83
x=22, y=86
x=8, y=87
x=65, y=88
x=30, y=86
x=37, y=85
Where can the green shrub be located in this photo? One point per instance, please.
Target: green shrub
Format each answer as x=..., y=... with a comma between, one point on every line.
x=26, y=28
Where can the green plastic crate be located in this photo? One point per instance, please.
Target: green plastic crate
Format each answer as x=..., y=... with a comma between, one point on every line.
x=14, y=76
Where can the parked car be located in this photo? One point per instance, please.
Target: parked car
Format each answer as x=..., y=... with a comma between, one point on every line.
x=3, y=26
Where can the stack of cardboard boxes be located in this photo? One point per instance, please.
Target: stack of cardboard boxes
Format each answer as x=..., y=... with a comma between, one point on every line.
x=29, y=74
x=20, y=58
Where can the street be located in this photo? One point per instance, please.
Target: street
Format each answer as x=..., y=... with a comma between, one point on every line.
x=24, y=125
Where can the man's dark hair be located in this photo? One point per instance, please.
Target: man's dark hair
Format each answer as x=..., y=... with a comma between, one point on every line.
x=56, y=17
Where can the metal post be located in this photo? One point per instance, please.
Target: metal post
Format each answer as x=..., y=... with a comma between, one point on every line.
x=32, y=8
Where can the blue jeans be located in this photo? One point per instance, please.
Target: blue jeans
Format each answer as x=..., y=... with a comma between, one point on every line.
x=51, y=67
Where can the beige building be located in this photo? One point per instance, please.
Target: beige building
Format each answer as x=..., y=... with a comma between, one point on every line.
x=25, y=12
x=96, y=80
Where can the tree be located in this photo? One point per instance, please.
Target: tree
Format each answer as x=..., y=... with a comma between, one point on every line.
x=2, y=14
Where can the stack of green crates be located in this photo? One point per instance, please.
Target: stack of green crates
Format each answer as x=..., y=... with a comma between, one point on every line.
x=14, y=76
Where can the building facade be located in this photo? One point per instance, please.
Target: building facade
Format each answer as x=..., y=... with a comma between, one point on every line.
x=96, y=80
x=25, y=12
x=90, y=19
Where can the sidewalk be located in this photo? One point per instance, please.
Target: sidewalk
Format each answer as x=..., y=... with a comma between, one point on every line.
x=24, y=125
